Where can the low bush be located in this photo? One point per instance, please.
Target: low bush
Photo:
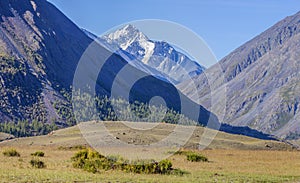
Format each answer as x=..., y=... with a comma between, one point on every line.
x=92, y=161
x=76, y=147
x=178, y=172
x=11, y=153
x=37, y=163
x=38, y=153
x=165, y=166
x=195, y=157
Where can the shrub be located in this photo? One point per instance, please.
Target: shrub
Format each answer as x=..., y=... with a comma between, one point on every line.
x=195, y=157
x=76, y=147
x=37, y=163
x=90, y=166
x=165, y=166
x=11, y=153
x=92, y=161
x=38, y=153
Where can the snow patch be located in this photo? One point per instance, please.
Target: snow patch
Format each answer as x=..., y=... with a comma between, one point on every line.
x=149, y=50
x=33, y=5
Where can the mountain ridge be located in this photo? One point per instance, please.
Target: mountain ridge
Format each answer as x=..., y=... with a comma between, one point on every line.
x=264, y=69
x=158, y=55
x=40, y=50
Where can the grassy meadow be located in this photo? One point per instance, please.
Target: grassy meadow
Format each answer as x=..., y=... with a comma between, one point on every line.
x=232, y=158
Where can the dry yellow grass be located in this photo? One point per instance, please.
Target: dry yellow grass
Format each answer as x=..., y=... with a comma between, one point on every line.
x=223, y=166
x=227, y=163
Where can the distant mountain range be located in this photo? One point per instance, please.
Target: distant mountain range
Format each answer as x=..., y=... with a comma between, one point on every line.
x=158, y=58
x=262, y=79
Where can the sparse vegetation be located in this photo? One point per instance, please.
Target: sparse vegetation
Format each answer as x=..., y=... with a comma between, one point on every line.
x=192, y=156
x=38, y=154
x=230, y=163
x=76, y=147
x=196, y=157
x=11, y=153
x=36, y=163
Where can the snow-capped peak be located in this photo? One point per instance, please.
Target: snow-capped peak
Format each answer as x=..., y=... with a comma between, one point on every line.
x=158, y=55
x=125, y=36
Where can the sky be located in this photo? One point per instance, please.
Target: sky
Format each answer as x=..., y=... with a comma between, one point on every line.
x=223, y=24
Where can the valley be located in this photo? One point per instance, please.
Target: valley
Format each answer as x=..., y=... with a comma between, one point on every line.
x=125, y=107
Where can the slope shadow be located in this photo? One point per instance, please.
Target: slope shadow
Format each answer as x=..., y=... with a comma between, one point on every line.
x=245, y=130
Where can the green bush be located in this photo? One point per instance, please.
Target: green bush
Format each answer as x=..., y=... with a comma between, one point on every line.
x=195, y=157
x=37, y=163
x=92, y=161
x=90, y=166
x=38, y=153
x=165, y=166
x=11, y=153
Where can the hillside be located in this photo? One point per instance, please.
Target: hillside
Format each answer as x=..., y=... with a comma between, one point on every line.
x=39, y=54
x=5, y=136
x=72, y=136
x=39, y=49
x=262, y=82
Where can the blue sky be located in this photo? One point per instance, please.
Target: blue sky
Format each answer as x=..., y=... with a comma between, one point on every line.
x=223, y=24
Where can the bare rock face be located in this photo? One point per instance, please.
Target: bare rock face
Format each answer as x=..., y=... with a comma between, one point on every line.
x=262, y=81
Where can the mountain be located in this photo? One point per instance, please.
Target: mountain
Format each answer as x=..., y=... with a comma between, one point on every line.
x=40, y=52
x=131, y=59
x=262, y=82
x=159, y=55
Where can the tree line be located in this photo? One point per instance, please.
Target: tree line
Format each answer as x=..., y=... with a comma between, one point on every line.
x=88, y=108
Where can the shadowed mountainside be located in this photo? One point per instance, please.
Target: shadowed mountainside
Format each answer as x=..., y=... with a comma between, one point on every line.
x=262, y=82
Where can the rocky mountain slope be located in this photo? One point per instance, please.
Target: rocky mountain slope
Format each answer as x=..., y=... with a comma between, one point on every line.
x=39, y=49
x=39, y=53
x=262, y=82
x=159, y=55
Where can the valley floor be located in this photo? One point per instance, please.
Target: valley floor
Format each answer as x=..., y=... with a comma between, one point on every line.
x=227, y=163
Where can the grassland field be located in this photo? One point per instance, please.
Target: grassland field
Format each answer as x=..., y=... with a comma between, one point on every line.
x=232, y=158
